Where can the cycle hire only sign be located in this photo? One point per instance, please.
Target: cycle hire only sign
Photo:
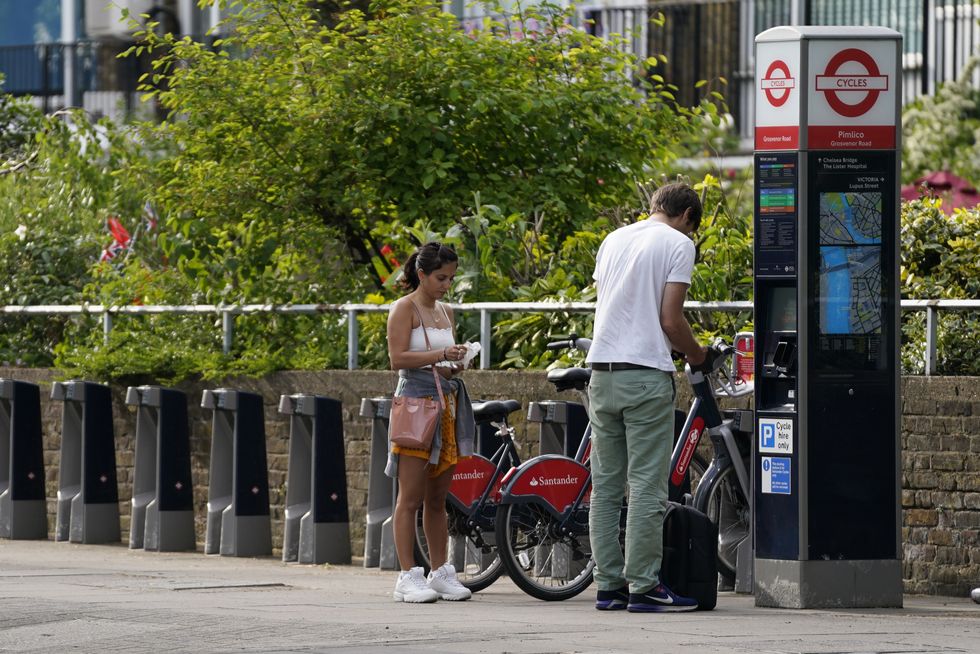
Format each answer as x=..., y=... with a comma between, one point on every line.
x=776, y=435
x=851, y=102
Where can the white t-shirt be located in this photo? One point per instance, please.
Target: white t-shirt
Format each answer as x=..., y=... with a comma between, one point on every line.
x=633, y=265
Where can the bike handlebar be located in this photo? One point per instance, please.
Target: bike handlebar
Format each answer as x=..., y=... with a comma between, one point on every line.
x=573, y=342
x=715, y=357
x=561, y=345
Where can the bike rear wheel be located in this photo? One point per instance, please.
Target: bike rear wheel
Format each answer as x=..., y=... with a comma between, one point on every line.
x=542, y=562
x=474, y=555
x=727, y=507
x=695, y=471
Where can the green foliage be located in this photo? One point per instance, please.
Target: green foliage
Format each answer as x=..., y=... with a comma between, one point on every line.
x=942, y=131
x=939, y=260
x=38, y=267
x=723, y=272
x=20, y=120
x=72, y=167
x=168, y=347
x=60, y=177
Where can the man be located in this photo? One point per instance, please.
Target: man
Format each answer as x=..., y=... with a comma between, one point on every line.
x=642, y=274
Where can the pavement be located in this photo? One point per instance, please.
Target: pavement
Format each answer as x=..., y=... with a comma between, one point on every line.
x=63, y=597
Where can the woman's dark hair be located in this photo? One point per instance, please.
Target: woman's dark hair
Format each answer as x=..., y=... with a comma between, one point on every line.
x=428, y=258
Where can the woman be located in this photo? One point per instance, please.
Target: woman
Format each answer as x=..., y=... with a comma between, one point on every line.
x=424, y=476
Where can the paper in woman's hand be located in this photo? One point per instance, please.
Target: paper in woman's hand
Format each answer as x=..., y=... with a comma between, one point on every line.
x=472, y=349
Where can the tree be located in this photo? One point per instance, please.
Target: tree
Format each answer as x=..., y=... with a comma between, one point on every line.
x=397, y=116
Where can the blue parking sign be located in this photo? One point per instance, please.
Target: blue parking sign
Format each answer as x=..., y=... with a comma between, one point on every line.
x=767, y=434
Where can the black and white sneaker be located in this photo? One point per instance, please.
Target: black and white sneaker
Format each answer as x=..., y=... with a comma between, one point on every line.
x=612, y=600
x=659, y=599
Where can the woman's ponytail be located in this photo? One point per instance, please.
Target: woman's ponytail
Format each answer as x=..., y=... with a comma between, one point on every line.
x=410, y=273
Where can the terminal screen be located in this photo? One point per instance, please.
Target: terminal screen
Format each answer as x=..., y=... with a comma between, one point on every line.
x=782, y=309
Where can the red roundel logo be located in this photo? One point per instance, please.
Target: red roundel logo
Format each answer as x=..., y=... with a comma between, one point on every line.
x=833, y=84
x=777, y=87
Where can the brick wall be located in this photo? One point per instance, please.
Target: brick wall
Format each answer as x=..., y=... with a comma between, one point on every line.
x=941, y=484
x=940, y=440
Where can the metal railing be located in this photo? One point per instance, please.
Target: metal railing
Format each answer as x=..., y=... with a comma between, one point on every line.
x=485, y=309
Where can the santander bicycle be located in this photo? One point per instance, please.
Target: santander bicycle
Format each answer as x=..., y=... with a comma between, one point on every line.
x=542, y=525
x=723, y=490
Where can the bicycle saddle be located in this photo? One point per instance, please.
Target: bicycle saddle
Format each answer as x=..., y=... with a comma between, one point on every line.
x=494, y=410
x=566, y=379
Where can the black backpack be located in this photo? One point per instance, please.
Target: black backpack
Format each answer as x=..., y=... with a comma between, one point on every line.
x=689, y=566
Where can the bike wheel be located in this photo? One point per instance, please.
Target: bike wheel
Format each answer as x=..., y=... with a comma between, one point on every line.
x=727, y=507
x=542, y=562
x=474, y=555
x=695, y=471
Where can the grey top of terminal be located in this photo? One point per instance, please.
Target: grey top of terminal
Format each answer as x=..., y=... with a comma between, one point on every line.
x=7, y=388
x=375, y=407
x=548, y=411
x=825, y=32
x=143, y=396
x=299, y=404
x=70, y=391
x=220, y=398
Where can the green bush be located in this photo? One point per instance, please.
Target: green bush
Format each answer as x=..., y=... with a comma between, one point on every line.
x=39, y=267
x=939, y=260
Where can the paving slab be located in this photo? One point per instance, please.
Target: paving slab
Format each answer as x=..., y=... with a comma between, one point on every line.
x=63, y=597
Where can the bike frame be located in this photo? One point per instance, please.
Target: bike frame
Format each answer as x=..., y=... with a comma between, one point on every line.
x=705, y=416
x=471, y=498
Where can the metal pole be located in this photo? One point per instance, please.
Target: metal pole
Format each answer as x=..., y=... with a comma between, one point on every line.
x=925, y=47
x=931, y=339
x=352, y=336
x=228, y=331
x=797, y=12
x=484, y=339
x=106, y=326
x=69, y=40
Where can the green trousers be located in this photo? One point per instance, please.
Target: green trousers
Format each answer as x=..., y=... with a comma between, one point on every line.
x=632, y=415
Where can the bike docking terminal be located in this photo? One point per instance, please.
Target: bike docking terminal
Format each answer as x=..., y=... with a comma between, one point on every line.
x=826, y=452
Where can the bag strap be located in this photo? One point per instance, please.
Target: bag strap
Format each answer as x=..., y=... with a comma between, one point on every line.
x=428, y=347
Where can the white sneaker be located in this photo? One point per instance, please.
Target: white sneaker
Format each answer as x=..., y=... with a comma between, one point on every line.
x=412, y=587
x=444, y=582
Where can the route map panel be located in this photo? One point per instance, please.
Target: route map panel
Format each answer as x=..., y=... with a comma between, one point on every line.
x=850, y=290
x=850, y=218
x=849, y=199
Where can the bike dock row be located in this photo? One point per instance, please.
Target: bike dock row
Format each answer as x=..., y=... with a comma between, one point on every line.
x=238, y=523
x=316, y=526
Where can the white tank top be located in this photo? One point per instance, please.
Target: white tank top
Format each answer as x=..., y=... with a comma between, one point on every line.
x=439, y=338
